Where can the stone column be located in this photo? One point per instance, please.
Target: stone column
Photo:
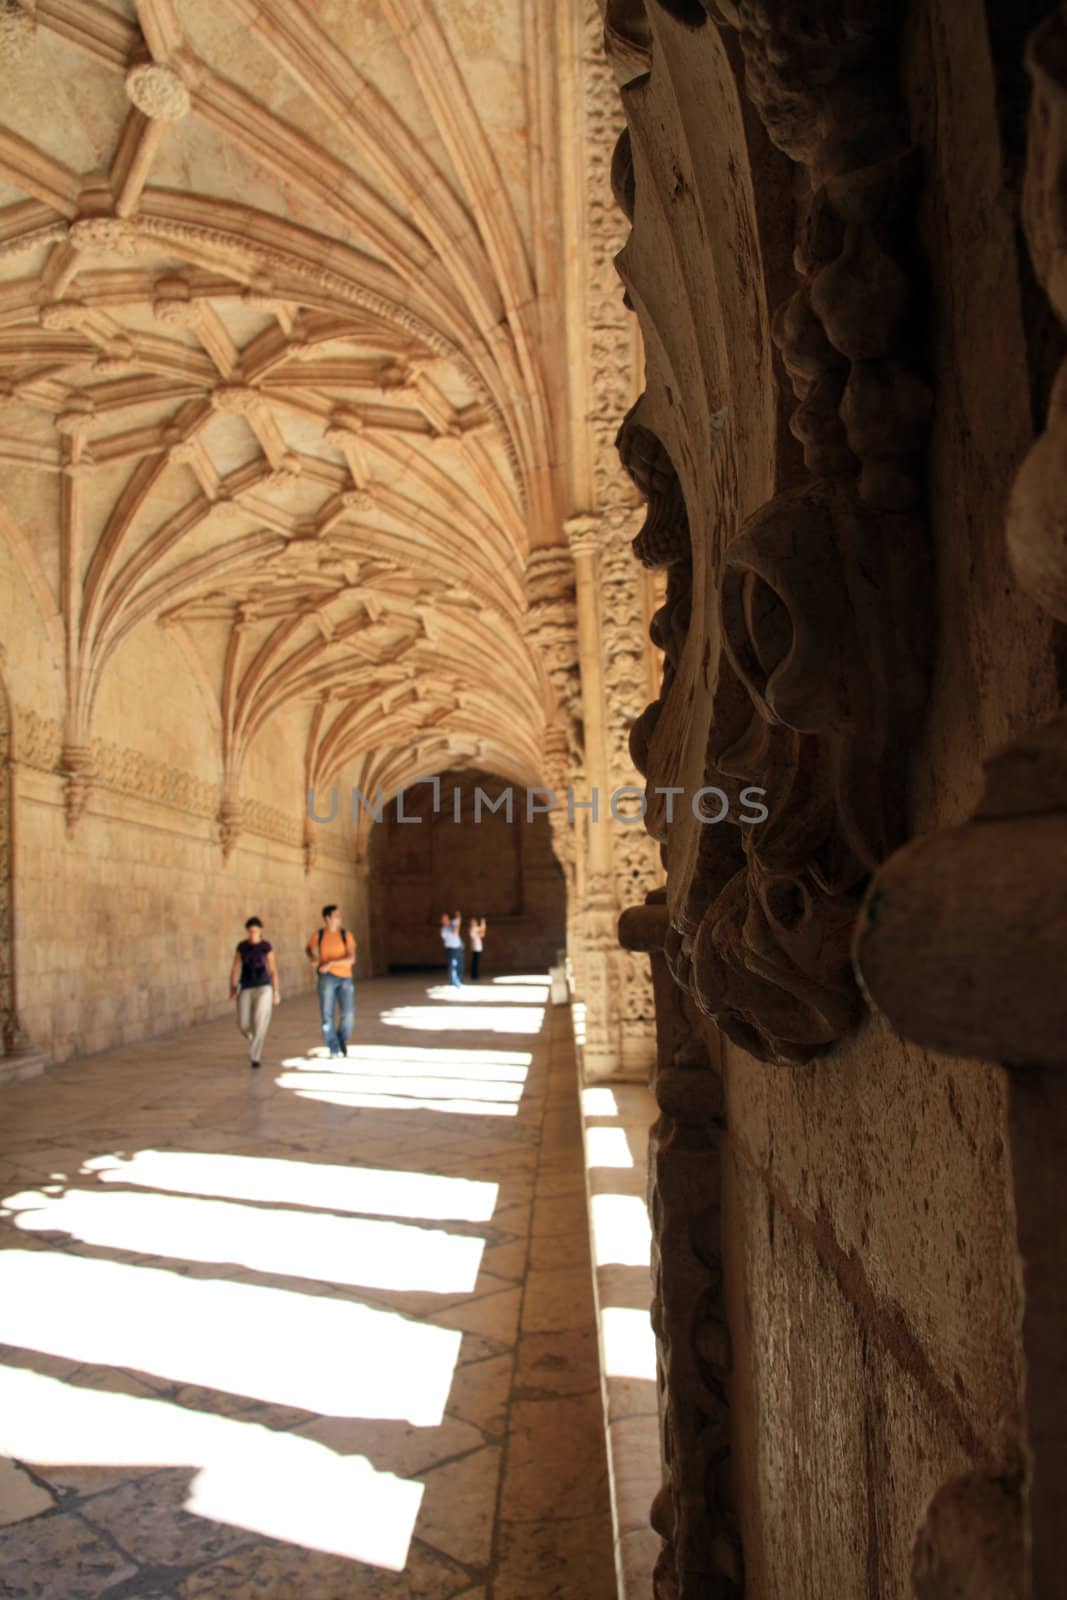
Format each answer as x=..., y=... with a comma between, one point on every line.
x=599, y=910
x=551, y=628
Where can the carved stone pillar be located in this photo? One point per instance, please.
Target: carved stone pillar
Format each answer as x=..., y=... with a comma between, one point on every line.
x=551, y=627
x=624, y=609
x=601, y=1051
x=694, y=1511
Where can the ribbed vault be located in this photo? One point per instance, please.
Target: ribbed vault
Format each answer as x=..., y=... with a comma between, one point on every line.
x=272, y=363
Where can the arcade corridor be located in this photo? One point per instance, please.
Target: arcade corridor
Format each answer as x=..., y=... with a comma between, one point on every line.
x=325, y=1330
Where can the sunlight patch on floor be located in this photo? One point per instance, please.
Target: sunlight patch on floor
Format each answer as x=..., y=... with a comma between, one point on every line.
x=345, y=1080
x=334, y=1357
x=343, y=1250
x=495, y=994
x=377, y=1191
x=466, y=1018
x=244, y=1473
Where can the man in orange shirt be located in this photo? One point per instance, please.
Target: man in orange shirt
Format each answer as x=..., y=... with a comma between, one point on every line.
x=333, y=952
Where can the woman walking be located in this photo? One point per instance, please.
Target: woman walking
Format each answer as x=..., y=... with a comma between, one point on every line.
x=254, y=983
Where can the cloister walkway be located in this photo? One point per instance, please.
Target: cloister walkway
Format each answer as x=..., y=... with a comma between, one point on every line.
x=320, y=1331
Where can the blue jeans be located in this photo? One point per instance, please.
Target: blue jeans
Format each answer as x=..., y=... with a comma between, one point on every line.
x=334, y=991
x=455, y=967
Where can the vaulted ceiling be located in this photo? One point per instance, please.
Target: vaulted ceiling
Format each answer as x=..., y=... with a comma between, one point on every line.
x=277, y=336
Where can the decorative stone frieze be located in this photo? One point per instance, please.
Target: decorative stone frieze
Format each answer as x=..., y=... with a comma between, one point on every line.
x=109, y=235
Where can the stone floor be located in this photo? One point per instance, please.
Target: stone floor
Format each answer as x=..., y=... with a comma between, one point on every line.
x=320, y=1331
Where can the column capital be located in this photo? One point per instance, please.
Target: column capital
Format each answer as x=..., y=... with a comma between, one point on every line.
x=583, y=534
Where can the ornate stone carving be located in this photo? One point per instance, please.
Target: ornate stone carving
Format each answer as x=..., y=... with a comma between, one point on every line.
x=107, y=234
x=174, y=305
x=18, y=28
x=635, y=858
x=78, y=766
x=794, y=624
x=694, y=1512
x=551, y=626
x=611, y=343
x=237, y=399
x=64, y=316
x=230, y=819
x=158, y=91
x=39, y=741
x=258, y=817
x=123, y=771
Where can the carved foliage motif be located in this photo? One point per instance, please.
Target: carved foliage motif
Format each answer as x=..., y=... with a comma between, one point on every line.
x=794, y=623
x=611, y=337
x=636, y=864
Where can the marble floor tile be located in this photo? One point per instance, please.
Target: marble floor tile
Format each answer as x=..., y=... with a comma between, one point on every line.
x=512, y=1478
x=20, y=1496
x=550, y=1470
x=556, y=1299
x=148, y=1519
x=458, y=1510
x=557, y=1363
x=57, y=1557
x=273, y=1572
x=480, y=1392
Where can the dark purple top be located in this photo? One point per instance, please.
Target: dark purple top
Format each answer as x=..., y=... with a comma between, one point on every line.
x=254, y=972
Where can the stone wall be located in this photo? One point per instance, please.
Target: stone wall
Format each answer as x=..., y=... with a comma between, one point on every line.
x=124, y=926
x=503, y=871
x=863, y=1327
